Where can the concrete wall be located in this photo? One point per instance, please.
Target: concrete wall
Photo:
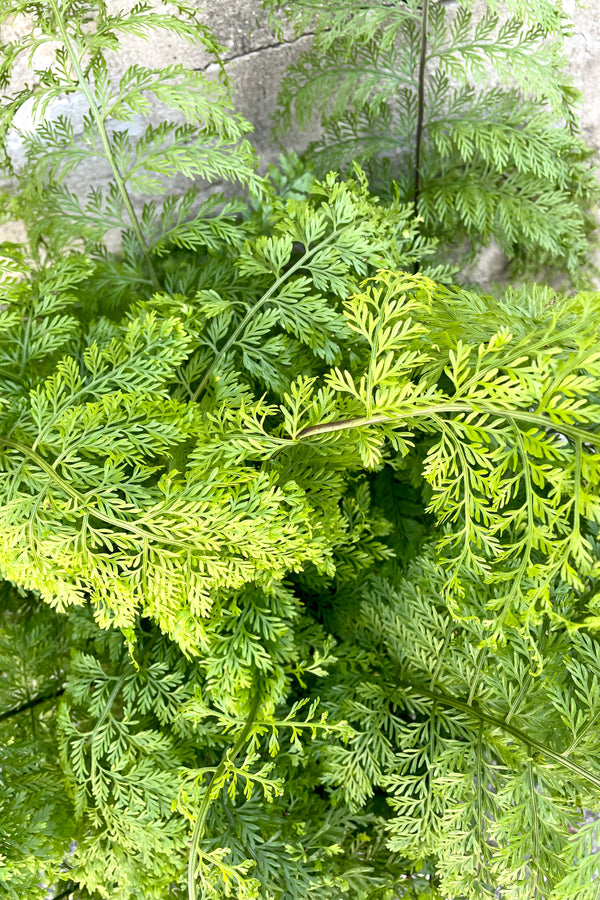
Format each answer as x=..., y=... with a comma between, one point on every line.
x=257, y=60
x=584, y=56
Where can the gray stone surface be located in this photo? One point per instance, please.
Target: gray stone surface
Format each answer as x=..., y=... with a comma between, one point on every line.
x=257, y=61
x=584, y=55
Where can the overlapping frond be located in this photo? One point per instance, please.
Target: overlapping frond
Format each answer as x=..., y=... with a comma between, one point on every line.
x=487, y=764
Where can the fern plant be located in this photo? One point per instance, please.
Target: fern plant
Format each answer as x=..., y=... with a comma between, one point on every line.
x=467, y=114
x=299, y=543
x=198, y=136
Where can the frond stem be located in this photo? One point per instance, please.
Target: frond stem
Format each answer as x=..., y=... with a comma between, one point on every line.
x=519, y=415
x=482, y=716
x=228, y=757
x=107, y=708
x=577, y=488
x=31, y=704
x=100, y=125
x=264, y=299
x=76, y=495
x=420, y=106
x=529, y=502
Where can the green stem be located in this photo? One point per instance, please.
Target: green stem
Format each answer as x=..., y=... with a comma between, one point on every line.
x=420, y=106
x=72, y=492
x=264, y=299
x=228, y=757
x=482, y=716
x=100, y=125
x=526, y=555
x=341, y=425
x=30, y=704
x=508, y=414
x=101, y=720
x=107, y=708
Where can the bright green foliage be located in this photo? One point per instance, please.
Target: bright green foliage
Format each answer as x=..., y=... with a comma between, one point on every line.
x=480, y=106
x=97, y=505
x=299, y=541
x=508, y=414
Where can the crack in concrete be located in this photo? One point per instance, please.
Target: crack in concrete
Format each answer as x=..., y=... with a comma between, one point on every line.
x=277, y=46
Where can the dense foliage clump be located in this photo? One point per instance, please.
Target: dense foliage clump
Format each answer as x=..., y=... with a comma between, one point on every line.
x=298, y=539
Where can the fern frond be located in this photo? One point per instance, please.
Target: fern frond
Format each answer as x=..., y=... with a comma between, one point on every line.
x=407, y=100
x=201, y=138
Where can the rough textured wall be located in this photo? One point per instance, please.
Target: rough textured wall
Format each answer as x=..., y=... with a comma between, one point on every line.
x=584, y=54
x=257, y=60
